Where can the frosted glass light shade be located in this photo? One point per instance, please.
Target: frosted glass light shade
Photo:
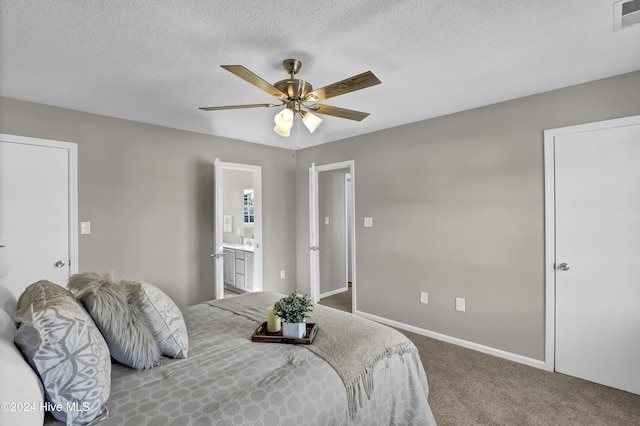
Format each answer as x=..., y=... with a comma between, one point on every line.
x=284, y=119
x=311, y=121
x=282, y=131
x=284, y=122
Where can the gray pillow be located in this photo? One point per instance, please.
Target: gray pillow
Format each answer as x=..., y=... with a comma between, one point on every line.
x=163, y=316
x=62, y=344
x=123, y=325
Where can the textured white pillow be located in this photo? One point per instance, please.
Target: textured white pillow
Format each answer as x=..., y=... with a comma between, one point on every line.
x=60, y=341
x=20, y=386
x=8, y=301
x=123, y=325
x=163, y=316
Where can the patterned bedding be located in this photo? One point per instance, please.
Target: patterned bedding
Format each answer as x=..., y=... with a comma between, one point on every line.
x=229, y=380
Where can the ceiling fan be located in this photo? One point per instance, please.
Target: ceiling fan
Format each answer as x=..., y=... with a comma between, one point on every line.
x=298, y=96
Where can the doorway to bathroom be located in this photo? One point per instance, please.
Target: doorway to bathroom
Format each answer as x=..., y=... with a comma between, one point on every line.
x=238, y=228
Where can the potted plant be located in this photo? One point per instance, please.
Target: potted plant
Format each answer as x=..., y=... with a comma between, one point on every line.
x=294, y=310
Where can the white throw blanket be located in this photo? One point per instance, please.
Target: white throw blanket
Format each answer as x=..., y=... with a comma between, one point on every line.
x=350, y=344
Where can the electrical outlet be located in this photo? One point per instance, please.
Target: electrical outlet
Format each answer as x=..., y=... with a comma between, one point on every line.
x=460, y=304
x=424, y=297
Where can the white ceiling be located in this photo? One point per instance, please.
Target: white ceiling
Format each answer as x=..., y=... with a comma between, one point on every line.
x=158, y=61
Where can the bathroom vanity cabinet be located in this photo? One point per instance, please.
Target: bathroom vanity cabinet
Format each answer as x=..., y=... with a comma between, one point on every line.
x=238, y=266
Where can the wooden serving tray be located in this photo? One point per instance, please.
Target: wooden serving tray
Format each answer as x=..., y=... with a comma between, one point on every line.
x=262, y=335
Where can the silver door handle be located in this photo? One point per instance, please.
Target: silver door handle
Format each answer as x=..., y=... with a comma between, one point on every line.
x=217, y=255
x=59, y=264
x=563, y=267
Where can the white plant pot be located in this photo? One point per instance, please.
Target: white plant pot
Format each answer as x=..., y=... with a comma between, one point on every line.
x=294, y=330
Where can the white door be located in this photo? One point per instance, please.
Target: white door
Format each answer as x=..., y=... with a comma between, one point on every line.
x=218, y=249
x=314, y=234
x=218, y=217
x=37, y=210
x=597, y=252
x=314, y=245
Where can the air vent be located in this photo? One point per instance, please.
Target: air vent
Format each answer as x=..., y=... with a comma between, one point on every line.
x=625, y=14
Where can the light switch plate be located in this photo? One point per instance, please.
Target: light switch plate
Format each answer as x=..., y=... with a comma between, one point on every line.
x=460, y=304
x=85, y=227
x=424, y=297
x=326, y=220
x=368, y=222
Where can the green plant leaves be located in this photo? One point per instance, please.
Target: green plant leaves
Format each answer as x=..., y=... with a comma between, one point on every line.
x=293, y=308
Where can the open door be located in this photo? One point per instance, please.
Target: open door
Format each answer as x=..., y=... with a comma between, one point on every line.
x=220, y=245
x=314, y=248
x=315, y=245
x=218, y=250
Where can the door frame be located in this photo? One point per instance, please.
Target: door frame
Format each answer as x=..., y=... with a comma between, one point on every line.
x=550, y=225
x=72, y=155
x=314, y=255
x=218, y=193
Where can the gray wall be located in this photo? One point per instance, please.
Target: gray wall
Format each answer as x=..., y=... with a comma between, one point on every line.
x=148, y=193
x=458, y=211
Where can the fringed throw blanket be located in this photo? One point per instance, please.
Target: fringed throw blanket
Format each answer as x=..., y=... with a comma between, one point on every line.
x=350, y=344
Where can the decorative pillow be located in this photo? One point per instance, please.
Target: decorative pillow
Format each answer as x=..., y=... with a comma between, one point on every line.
x=163, y=316
x=20, y=387
x=8, y=301
x=123, y=326
x=62, y=344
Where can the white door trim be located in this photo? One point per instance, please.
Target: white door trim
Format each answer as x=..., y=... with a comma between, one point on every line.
x=219, y=167
x=550, y=230
x=313, y=226
x=72, y=152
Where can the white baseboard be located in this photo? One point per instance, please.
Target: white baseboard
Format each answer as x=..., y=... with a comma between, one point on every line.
x=454, y=340
x=332, y=292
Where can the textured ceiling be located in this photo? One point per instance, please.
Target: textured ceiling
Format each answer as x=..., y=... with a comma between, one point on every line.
x=158, y=61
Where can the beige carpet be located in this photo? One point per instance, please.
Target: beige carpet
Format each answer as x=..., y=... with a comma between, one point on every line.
x=471, y=388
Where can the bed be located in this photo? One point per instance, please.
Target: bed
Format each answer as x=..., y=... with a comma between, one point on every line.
x=229, y=380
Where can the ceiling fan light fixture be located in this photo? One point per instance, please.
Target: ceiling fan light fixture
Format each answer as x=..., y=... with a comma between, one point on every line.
x=282, y=131
x=284, y=118
x=284, y=122
x=310, y=120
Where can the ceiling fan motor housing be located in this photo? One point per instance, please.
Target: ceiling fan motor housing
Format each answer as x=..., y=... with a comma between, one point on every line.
x=296, y=90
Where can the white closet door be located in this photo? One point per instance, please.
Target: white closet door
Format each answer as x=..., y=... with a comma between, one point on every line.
x=35, y=213
x=597, y=178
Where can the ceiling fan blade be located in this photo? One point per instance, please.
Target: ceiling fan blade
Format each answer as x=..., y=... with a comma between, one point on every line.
x=338, y=112
x=357, y=82
x=247, y=75
x=216, y=108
